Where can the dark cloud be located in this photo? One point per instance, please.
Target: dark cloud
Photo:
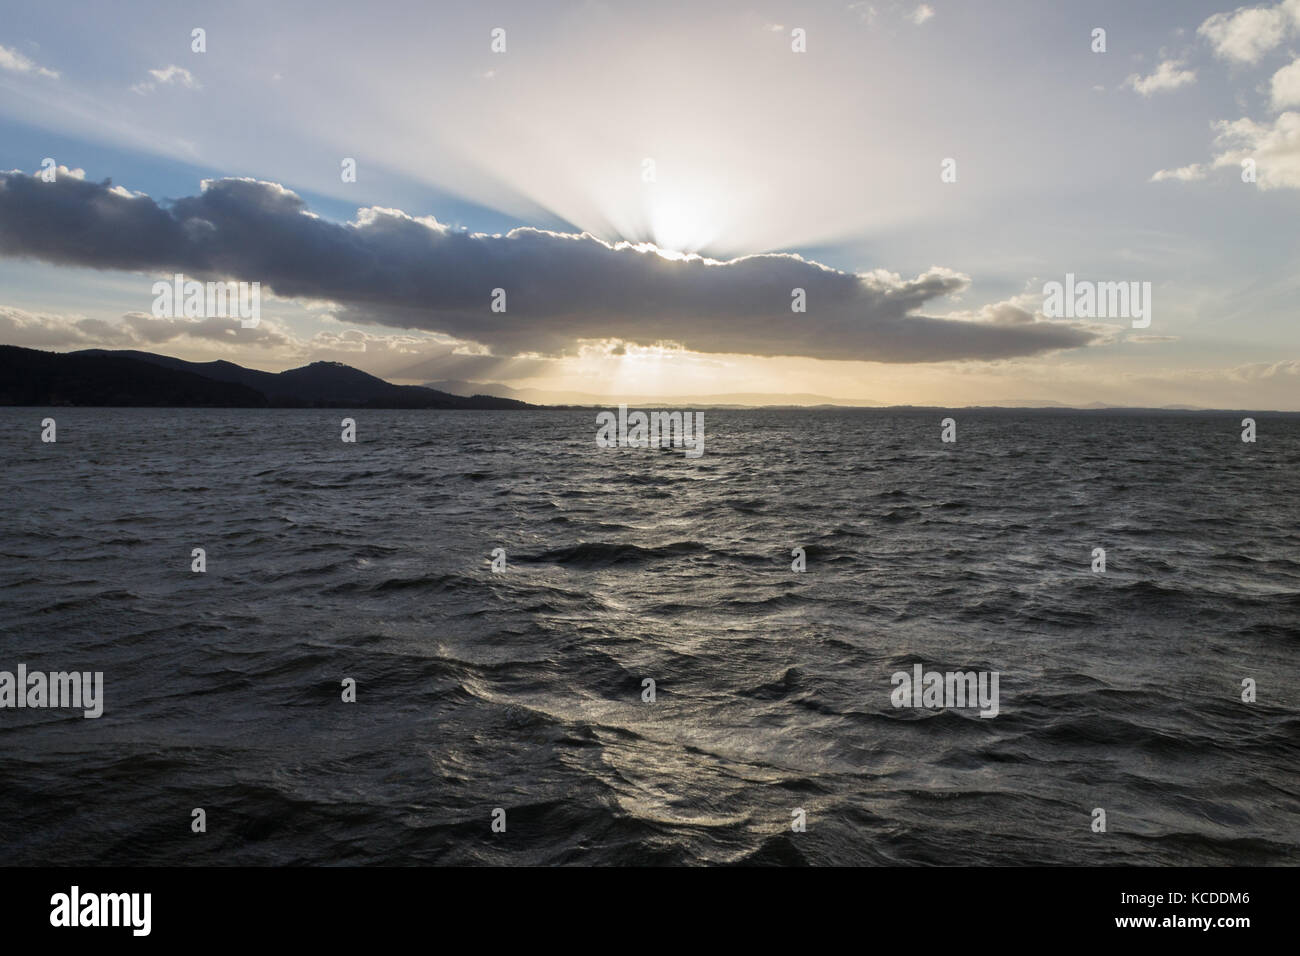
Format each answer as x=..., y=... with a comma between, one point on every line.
x=390, y=269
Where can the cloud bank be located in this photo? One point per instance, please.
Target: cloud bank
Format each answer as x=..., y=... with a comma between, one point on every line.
x=42, y=330
x=389, y=268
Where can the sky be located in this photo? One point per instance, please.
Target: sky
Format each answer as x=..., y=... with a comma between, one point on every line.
x=862, y=200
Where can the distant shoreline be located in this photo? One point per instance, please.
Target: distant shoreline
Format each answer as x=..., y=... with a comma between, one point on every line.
x=98, y=378
x=1009, y=410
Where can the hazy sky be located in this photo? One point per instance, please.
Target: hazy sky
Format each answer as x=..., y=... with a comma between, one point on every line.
x=529, y=169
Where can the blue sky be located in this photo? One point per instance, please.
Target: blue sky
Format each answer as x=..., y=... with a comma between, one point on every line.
x=833, y=154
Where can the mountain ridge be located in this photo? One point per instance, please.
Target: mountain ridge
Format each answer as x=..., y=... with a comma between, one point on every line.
x=129, y=377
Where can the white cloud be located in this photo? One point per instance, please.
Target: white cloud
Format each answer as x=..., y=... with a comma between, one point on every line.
x=1247, y=33
x=356, y=340
x=62, y=172
x=1275, y=148
x=1184, y=174
x=1168, y=76
x=921, y=14
x=1244, y=36
x=167, y=76
x=15, y=62
x=1286, y=86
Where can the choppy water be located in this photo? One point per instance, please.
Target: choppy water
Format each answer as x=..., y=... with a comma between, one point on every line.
x=522, y=690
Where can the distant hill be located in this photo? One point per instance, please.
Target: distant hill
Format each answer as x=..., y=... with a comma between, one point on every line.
x=731, y=399
x=31, y=377
x=130, y=378
x=1024, y=403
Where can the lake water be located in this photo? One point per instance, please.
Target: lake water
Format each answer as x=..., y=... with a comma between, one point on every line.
x=524, y=690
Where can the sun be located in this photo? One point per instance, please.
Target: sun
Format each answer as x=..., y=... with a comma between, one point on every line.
x=675, y=255
x=679, y=228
